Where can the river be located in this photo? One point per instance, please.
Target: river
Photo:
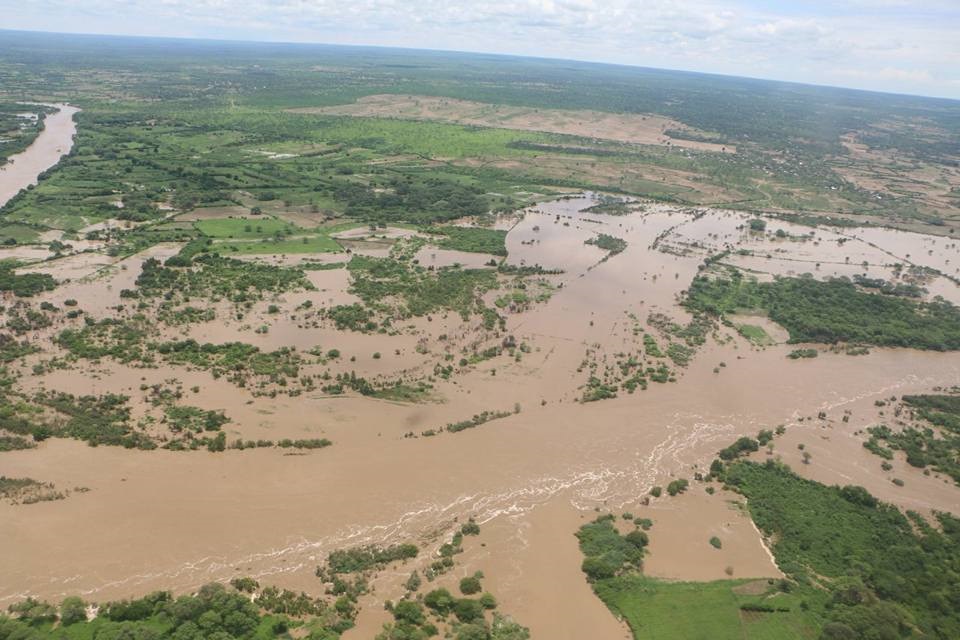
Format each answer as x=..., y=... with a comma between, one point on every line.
x=54, y=142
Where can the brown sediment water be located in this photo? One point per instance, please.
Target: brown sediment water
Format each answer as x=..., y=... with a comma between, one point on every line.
x=174, y=520
x=55, y=141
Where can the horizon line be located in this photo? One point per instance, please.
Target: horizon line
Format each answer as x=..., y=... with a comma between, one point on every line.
x=312, y=43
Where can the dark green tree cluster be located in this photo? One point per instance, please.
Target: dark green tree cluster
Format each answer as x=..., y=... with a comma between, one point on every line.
x=430, y=200
x=215, y=612
x=832, y=311
x=869, y=571
x=607, y=552
x=26, y=284
x=369, y=557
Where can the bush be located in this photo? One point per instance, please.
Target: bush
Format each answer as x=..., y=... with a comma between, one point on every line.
x=439, y=600
x=468, y=610
x=677, y=486
x=72, y=611
x=470, y=585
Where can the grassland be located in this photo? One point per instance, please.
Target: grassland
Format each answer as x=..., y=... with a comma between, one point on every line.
x=220, y=135
x=705, y=610
x=856, y=568
x=301, y=244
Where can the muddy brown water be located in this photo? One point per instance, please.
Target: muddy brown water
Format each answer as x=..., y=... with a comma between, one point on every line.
x=56, y=140
x=169, y=520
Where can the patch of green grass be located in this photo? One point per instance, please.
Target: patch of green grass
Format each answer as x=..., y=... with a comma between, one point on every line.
x=254, y=227
x=657, y=609
x=22, y=233
x=471, y=239
x=756, y=335
x=295, y=245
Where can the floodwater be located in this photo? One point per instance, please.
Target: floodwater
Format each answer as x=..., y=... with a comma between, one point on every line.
x=55, y=141
x=171, y=520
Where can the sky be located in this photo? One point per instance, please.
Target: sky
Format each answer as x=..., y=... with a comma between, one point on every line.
x=902, y=46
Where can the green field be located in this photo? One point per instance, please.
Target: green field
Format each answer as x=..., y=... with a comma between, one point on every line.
x=245, y=228
x=756, y=335
x=302, y=244
x=199, y=135
x=658, y=610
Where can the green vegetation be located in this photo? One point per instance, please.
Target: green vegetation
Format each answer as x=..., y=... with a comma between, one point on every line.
x=301, y=244
x=606, y=552
x=127, y=342
x=756, y=335
x=191, y=134
x=23, y=285
x=832, y=311
x=476, y=421
x=935, y=444
x=183, y=418
x=940, y=410
x=214, y=611
x=470, y=585
x=472, y=239
x=20, y=124
x=861, y=566
x=27, y=491
x=678, y=486
x=608, y=243
x=400, y=290
x=253, y=228
x=856, y=568
x=719, y=610
x=216, y=278
x=743, y=446
x=366, y=558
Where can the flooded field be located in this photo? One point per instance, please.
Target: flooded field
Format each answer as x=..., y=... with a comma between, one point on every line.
x=175, y=520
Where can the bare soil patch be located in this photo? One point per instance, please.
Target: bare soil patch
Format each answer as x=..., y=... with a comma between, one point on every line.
x=635, y=128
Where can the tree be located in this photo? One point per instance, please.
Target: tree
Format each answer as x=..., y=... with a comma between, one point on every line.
x=470, y=585
x=504, y=628
x=638, y=539
x=440, y=600
x=414, y=581
x=72, y=610
x=468, y=610
x=409, y=611
x=472, y=632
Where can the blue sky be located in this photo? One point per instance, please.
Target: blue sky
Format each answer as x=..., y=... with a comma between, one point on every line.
x=907, y=46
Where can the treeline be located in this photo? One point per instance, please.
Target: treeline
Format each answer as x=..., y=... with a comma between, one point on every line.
x=215, y=612
x=832, y=311
x=26, y=284
x=417, y=201
x=868, y=570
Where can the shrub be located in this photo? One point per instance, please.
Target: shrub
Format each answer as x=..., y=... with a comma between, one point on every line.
x=470, y=585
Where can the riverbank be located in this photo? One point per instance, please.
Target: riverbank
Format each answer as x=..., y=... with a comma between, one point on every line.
x=55, y=141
